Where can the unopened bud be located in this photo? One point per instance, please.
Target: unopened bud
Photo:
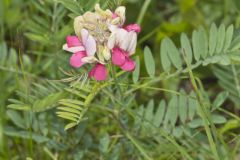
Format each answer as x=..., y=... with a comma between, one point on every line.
x=120, y=11
x=106, y=53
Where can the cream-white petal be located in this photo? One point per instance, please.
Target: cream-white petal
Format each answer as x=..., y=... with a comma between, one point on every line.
x=111, y=41
x=89, y=59
x=78, y=25
x=133, y=43
x=73, y=49
x=120, y=11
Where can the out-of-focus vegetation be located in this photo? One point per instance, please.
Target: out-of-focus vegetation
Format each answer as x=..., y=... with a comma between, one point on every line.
x=158, y=117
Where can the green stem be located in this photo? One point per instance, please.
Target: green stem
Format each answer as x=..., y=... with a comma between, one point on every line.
x=165, y=135
x=116, y=80
x=143, y=39
x=202, y=110
x=229, y=114
x=136, y=144
x=130, y=137
x=141, y=150
x=153, y=81
x=143, y=11
x=95, y=90
x=116, y=115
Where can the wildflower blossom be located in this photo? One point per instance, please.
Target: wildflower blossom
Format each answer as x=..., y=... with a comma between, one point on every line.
x=83, y=49
x=101, y=38
x=123, y=43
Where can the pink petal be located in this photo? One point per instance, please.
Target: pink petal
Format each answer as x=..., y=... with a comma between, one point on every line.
x=91, y=73
x=133, y=27
x=129, y=65
x=73, y=41
x=114, y=15
x=76, y=59
x=99, y=72
x=118, y=56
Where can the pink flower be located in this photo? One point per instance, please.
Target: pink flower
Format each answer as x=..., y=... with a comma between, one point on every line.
x=76, y=59
x=121, y=59
x=84, y=49
x=98, y=72
x=133, y=27
x=123, y=39
x=73, y=44
x=123, y=43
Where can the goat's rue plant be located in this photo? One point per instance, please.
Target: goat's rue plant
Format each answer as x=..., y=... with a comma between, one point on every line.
x=101, y=42
x=99, y=90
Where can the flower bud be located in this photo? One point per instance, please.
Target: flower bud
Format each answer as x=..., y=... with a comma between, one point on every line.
x=104, y=14
x=106, y=53
x=120, y=11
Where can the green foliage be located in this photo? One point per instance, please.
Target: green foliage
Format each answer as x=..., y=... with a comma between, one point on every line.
x=39, y=98
x=136, y=72
x=178, y=117
x=217, y=48
x=79, y=7
x=73, y=6
x=48, y=30
x=228, y=80
x=75, y=109
x=221, y=97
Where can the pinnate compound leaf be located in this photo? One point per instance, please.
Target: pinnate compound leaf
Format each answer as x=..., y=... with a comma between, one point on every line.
x=215, y=48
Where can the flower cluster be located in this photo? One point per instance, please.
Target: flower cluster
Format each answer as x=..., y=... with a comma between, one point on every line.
x=101, y=37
